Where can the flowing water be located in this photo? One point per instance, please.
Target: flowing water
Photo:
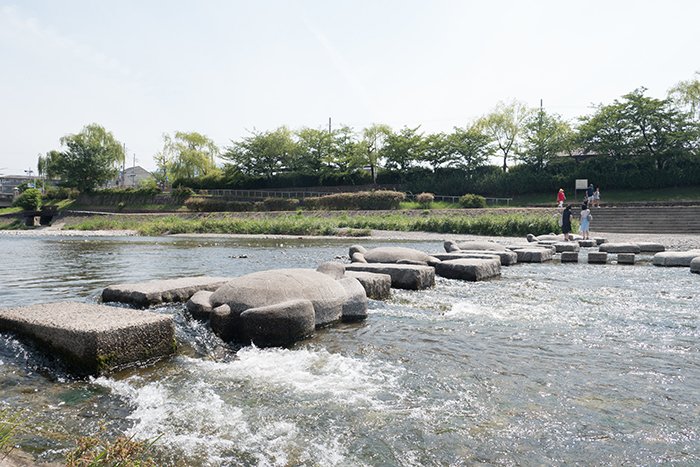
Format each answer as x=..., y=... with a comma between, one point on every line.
x=550, y=364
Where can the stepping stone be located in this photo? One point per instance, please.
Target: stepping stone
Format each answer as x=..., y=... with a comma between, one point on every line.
x=566, y=246
x=695, y=265
x=469, y=269
x=377, y=286
x=587, y=243
x=145, y=294
x=650, y=247
x=91, y=338
x=625, y=258
x=280, y=324
x=506, y=257
x=597, y=257
x=600, y=240
x=534, y=255
x=199, y=306
x=619, y=248
x=675, y=258
x=403, y=276
x=569, y=256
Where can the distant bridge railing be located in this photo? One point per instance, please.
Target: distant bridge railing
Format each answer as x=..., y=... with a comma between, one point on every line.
x=262, y=194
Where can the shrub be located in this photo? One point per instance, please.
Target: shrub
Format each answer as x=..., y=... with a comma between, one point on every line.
x=472, y=201
x=182, y=192
x=62, y=192
x=279, y=204
x=208, y=204
x=361, y=200
x=29, y=200
x=424, y=200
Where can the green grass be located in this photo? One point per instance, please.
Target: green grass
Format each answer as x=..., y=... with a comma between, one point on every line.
x=498, y=225
x=433, y=205
x=613, y=196
x=10, y=210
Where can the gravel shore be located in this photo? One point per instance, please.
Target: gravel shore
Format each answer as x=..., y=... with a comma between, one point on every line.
x=670, y=241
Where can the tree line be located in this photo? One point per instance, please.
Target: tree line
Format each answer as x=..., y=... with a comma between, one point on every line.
x=656, y=134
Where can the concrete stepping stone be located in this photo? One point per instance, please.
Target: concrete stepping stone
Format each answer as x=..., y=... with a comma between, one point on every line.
x=145, y=294
x=600, y=240
x=695, y=265
x=619, y=248
x=569, y=256
x=587, y=243
x=675, y=258
x=626, y=258
x=377, y=286
x=199, y=306
x=403, y=276
x=597, y=257
x=534, y=255
x=506, y=257
x=566, y=246
x=469, y=269
x=651, y=247
x=279, y=324
x=91, y=338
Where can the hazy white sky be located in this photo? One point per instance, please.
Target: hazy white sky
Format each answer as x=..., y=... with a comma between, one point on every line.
x=144, y=68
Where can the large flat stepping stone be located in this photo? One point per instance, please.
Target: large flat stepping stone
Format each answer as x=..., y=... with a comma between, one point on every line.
x=469, y=269
x=597, y=257
x=145, y=294
x=534, y=255
x=626, y=258
x=94, y=339
x=695, y=265
x=403, y=276
x=377, y=286
x=675, y=258
x=566, y=246
x=651, y=247
x=506, y=257
x=587, y=243
x=619, y=248
x=569, y=256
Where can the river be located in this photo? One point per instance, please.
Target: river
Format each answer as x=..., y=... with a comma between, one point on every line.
x=551, y=364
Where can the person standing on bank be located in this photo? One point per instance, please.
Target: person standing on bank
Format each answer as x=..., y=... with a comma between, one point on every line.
x=585, y=221
x=566, y=222
x=561, y=197
x=596, y=197
x=589, y=193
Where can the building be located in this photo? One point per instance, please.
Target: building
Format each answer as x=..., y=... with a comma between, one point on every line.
x=131, y=177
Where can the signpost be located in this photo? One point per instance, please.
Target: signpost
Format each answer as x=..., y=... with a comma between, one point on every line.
x=581, y=184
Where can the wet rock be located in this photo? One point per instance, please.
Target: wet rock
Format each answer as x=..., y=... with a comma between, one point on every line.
x=144, y=294
x=334, y=270
x=569, y=256
x=377, y=286
x=534, y=255
x=198, y=305
x=675, y=258
x=566, y=246
x=626, y=258
x=403, y=276
x=355, y=304
x=650, y=247
x=469, y=269
x=695, y=265
x=597, y=257
x=394, y=255
x=600, y=240
x=506, y=257
x=451, y=246
x=94, y=339
x=280, y=324
x=619, y=248
x=587, y=243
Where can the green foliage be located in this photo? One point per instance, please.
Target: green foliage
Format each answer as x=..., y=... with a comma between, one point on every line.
x=686, y=95
x=209, y=204
x=91, y=158
x=504, y=126
x=12, y=423
x=61, y=192
x=424, y=200
x=403, y=149
x=279, y=204
x=29, y=200
x=545, y=136
x=472, y=201
x=186, y=155
x=362, y=200
x=182, y=192
x=263, y=154
x=93, y=451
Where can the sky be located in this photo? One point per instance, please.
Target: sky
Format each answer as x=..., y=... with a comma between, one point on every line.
x=143, y=69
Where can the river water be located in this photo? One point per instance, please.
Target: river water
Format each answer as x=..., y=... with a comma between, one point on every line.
x=551, y=364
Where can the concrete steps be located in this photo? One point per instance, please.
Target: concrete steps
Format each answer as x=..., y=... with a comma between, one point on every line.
x=646, y=219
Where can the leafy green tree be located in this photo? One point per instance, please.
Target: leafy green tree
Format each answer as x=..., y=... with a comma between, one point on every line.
x=686, y=95
x=369, y=149
x=29, y=200
x=262, y=154
x=313, y=147
x=606, y=132
x=187, y=155
x=403, y=149
x=544, y=136
x=504, y=125
x=343, y=156
x=48, y=165
x=469, y=148
x=91, y=158
x=437, y=151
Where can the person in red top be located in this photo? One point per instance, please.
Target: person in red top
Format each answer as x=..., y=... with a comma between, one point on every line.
x=561, y=197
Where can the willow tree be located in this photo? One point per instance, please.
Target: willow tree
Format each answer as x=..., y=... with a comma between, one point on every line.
x=187, y=155
x=504, y=125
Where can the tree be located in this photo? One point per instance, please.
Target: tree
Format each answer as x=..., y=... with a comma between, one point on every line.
x=544, y=136
x=187, y=155
x=686, y=95
x=403, y=149
x=48, y=165
x=313, y=147
x=343, y=155
x=91, y=158
x=437, y=151
x=469, y=148
x=370, y=147
x=262, y=154
x=504, y=125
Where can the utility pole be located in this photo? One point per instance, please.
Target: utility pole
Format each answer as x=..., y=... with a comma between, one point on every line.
x=133, y=173
x=330, y=131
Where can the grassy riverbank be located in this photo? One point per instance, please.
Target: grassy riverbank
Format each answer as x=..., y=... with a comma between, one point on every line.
x=360, y=225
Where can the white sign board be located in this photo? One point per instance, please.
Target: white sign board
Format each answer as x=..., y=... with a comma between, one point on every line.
x=581, y=183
